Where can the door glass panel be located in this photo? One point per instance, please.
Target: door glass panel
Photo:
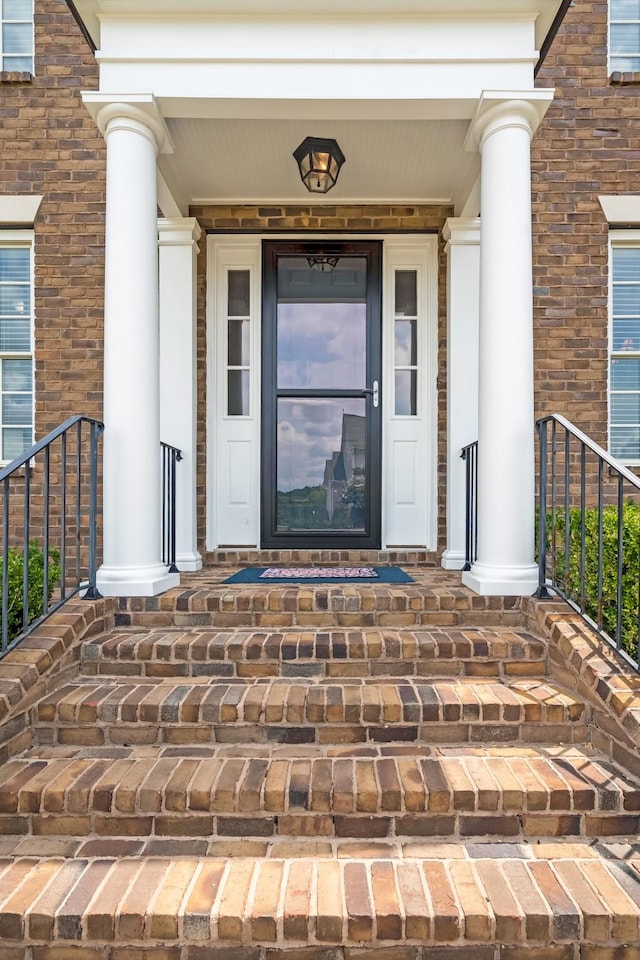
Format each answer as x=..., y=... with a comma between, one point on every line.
x=238, y=293
x=321, y=324
x=406, y=393
x=406, y=343
x=321, y=459
x=239, y=332
x=238, y=393
x=406, y=293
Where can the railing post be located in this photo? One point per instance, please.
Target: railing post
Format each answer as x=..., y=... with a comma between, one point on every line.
x=5, y=567
x=466, y=456
x=542, y=593
x=169, y=457
x=92, y=590
x=176, y=456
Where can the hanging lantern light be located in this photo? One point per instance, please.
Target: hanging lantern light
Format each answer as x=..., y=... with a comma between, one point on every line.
x=319, y=161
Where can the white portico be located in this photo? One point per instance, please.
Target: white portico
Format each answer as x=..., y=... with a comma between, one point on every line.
x=432, y=102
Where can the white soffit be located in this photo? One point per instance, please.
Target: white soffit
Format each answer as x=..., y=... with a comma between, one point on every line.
x=238, y=160
x=621, y=208
x=19, y=210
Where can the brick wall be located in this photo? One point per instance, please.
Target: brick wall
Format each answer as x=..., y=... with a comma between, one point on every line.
x=348, y=218
x=49, y=145
x=587, y=145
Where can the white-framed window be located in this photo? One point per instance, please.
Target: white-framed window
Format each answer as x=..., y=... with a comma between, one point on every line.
x=16, y=36
x=624, y=35
x=16, y=344
x=624, y=347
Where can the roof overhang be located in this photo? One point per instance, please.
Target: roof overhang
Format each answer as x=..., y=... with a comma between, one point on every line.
x=548, y=14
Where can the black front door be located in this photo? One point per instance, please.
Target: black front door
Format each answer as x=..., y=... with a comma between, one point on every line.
x=321, y=394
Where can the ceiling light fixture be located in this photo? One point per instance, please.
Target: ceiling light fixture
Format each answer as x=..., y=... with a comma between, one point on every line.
x=319, y=161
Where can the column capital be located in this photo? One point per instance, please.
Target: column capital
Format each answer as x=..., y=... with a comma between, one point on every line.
x=136, y=112
x=461, y=231
x=499, y=109
x=178, y=232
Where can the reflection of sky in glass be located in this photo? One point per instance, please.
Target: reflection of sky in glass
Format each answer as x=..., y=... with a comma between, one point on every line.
x=309, y=431
x=322, y=345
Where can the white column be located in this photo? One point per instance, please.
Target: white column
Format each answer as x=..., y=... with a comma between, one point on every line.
x=462, y=236
x=132, y=483
x=178, y=241
x=505, y=563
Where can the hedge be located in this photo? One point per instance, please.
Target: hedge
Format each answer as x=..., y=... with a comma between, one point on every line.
x=15, y=568
x=630, y=567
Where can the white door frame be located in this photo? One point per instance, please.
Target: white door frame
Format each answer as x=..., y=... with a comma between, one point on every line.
x=233, y=443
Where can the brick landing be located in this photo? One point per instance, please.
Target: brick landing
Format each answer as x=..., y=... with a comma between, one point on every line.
x=436, y=598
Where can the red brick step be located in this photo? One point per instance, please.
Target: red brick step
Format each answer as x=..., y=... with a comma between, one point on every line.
x=462, y=895
x=494, y=652
x=143, y=711
x=328, y=795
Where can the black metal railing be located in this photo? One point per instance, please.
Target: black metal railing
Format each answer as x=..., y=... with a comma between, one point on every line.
x=170, y=457
x=49, y=506
x=589, y=533
x=470, y=456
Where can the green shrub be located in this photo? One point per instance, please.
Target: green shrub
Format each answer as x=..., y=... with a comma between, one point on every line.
x=15, y=566
x=605, y=611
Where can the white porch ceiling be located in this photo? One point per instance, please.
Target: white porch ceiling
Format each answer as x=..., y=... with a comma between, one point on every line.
x=396, y=160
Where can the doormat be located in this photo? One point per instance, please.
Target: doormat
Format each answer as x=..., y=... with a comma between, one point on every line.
x=320, y=575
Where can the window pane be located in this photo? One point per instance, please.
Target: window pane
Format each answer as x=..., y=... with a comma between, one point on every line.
x=625, y=9
x=625, y=64
x=625, y=38
x=406, y=343
x=15, y=335
x=625, y=408
x=14, y=300
x=18, y=64
x=14, y=264
x=625, y=443
x=238, y=393
x=238, y=343
x=17, y=38
x=15, y=442
x=626, y=300
x=322, y=324
x=625, y=374
x=626, y=335
x=626, y=264
x=16, y=409
x=406, y=403
x=321, y=464
x=238, y=293
x=17, y=9
x=406, y=293
x=17, y=375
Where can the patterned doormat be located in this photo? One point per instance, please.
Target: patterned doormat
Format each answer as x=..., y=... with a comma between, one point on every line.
x=320, y=575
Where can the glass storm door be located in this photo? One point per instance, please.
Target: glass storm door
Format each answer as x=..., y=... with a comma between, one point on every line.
x=321, y=395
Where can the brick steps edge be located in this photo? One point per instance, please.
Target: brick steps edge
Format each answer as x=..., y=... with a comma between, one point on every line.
x=534, y=901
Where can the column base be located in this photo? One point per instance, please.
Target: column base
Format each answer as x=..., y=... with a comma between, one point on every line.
x=136, y=581
x=189, y=562
x=452, y=560
x=507, y=581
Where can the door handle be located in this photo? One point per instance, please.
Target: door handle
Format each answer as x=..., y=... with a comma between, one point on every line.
x=374, y=392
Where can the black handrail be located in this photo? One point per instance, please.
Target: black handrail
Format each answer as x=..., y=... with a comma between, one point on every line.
x=170, y=457
x=65, y=541
x=470, y=456
x=588, y=533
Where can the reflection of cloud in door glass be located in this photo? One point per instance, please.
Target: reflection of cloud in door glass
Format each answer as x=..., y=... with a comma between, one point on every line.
x=309, y=432
x=321, y=345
